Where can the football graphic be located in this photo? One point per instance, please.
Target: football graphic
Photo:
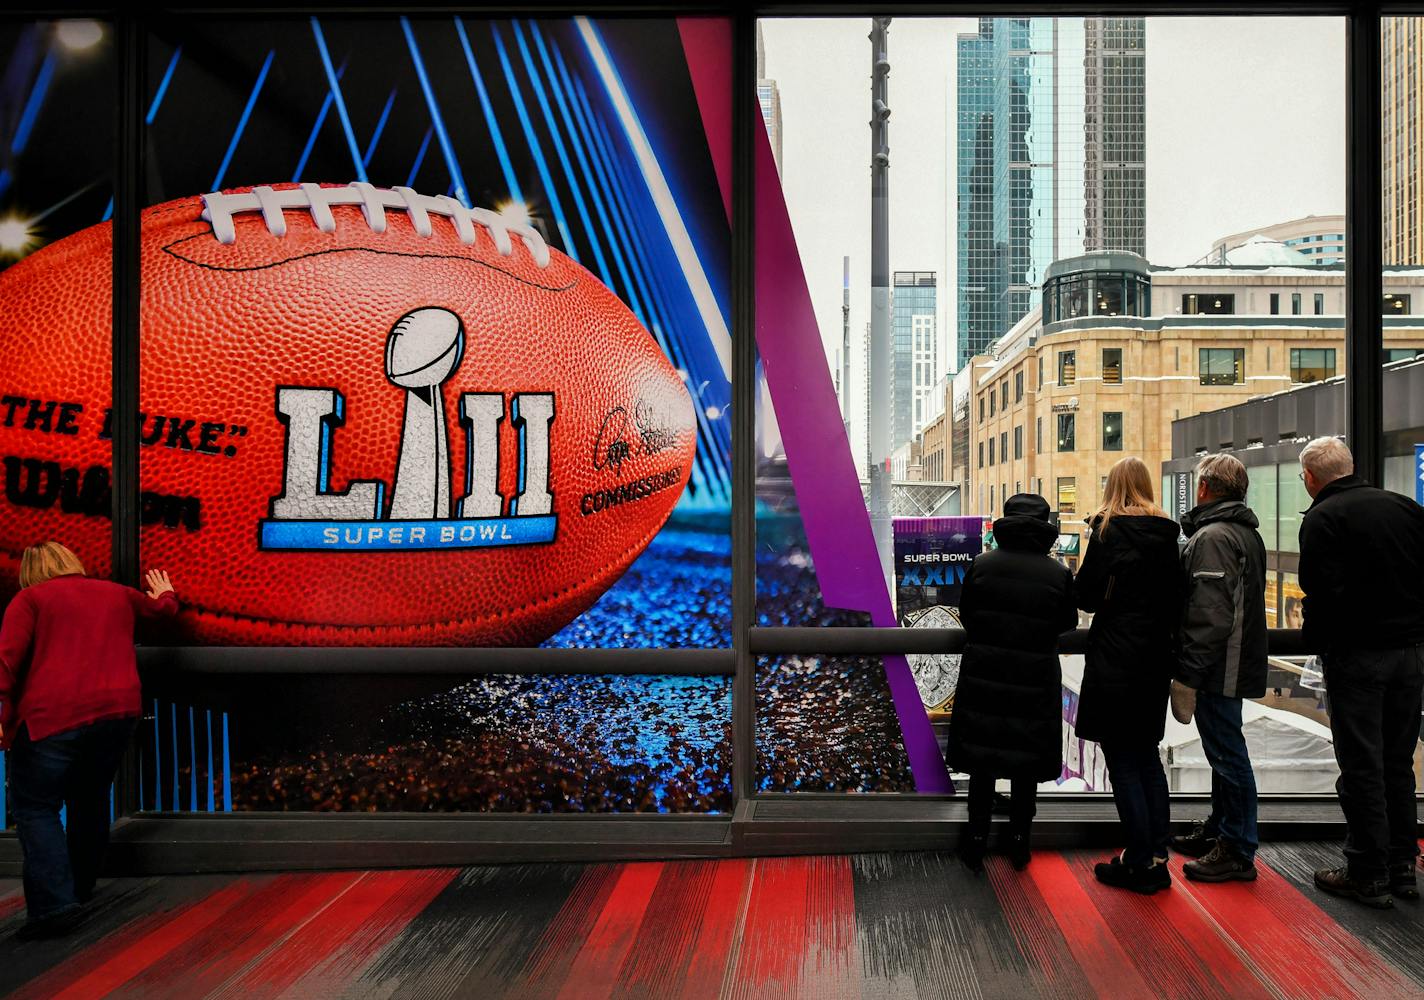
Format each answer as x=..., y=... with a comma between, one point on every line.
x=368, y=417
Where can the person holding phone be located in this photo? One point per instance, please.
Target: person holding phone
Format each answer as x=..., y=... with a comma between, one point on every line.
x=69, y=700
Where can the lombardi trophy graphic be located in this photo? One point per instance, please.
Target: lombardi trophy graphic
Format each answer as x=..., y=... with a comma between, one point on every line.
x=423, y=350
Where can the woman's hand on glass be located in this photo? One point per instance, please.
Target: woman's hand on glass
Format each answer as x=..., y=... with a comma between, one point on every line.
x=158, y=583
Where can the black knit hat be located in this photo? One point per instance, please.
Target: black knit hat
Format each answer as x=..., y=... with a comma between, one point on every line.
x=1026, y=505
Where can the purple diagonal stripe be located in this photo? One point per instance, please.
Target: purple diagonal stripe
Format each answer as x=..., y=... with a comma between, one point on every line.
x=818, y=454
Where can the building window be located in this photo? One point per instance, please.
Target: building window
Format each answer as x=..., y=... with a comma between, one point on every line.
x=1295, y=303
x=1311, y=364
x=1320, y=303
x=1275, y=303
x=1067, y=367
x=1208, y=304
x=981, y=407
x=1112, y=366
x=991, y=453
x=1038, y=435
x=981, y=454
x=1018, y=442
x=1222, y=365
x=993, y=398
x=1067, y=424
x=991, y=499
x=1004, y=399
x=1067, y=495
x=1112, y=432
x=1040, y=373
x=1393, y=354
x=1004, y=446
x=1396, y=305
x=1018, y=386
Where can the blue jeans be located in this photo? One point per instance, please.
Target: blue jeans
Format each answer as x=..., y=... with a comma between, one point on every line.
x=1233, y=783
x=1139, y=789
x=73, y=769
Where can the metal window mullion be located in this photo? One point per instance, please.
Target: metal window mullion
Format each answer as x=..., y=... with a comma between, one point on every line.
x=744, y=405
x=1364, y=259
x=131, y=52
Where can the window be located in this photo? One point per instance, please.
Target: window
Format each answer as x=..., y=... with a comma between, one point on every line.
x=991, y=499
x=1018, y=386
x=1112, y=366
x=1038, y=435
x=1004, y=399
x=1066, y=426
x=1222, y=365
x=1396, y=305
x=1320, y=303
x=1040, y=373
x=1112, y=432
x=1067, y=367
x=1295, y=303
x=1004, y=446
x=991, y=452
x=1392, y=354
x=1311, y=364
x=1018, y=442
x=1067, y=495
x=1275, y=303
x=993, y=397
x=981, y=407
x=1208, y=304
x=981, y=454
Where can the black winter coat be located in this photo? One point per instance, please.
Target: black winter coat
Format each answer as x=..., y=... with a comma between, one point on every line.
x=1008, y=707
x=1362, y=569
x=1131, y=579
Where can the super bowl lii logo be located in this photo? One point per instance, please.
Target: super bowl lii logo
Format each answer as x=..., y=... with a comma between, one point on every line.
x=423, y=350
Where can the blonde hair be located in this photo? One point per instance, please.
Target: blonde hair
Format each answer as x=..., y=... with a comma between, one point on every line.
x=46, y=561
x=1224, y=475
x=1328, y=459
x=1128, y=491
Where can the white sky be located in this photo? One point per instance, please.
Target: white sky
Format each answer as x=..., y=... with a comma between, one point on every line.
x=1245, y=127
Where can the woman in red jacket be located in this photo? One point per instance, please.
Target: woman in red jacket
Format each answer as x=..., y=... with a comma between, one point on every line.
x=69, y=701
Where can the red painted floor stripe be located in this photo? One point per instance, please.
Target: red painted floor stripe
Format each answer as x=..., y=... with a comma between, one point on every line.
x=1302, y=950
x=1097, y=949
x=595, y=968
x=718, y=930
x=226, y=948
x=548, y=964
x=334, y=945
x=798, y=939
x=1036, y=933
x=114, y=961
x=1173, y=944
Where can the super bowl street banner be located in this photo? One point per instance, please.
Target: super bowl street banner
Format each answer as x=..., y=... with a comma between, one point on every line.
x=932, y=555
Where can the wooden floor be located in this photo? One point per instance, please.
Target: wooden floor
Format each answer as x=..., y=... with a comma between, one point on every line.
x=888, y=925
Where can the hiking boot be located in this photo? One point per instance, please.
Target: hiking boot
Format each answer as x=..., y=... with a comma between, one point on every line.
x=1403, y=880
x=1196, y=843
x=972, y=848
x=1221, y=864
x=1145, y=879
x=1339, y=882
x=1019, y=854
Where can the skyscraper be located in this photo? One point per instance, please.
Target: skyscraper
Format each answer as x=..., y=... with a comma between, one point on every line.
x=1050, y=158
x=1402, y=39
x=769, y=97
x=916, y=352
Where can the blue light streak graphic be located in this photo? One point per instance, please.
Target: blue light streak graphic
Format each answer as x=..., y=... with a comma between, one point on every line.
x=163, y=86
x=335, y=88
x=242, y=121
x=496, y=133
x=32, y=106
x=457, y=178
x=419, y=157
x=380, y=127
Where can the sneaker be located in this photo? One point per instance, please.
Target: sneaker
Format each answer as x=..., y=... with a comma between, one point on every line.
x=1145, y=879
x=1338, y=882
x=1196, y=843
x=1403, y=880
x=1221, y=864
x=972, y=848
x=1019, y=854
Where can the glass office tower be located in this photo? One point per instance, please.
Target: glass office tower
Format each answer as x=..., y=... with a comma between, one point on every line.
x=1050, y=159
x=916, y=352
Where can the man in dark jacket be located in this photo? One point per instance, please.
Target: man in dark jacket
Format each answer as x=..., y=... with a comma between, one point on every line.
x=1362, y=570
x=1222, y=657
x=1008, y=706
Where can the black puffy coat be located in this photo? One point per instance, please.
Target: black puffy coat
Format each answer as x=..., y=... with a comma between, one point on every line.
x=1132, y=581
x=1008, y=707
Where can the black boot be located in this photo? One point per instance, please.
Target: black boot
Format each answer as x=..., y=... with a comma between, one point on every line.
x=1019, y=854
x=973, y=845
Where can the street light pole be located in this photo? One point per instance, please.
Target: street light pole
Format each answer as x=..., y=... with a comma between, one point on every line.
x=881, y=360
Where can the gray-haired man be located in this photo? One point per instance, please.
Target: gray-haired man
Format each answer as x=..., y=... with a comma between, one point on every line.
x=1223, y=658
x=1362, y=570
